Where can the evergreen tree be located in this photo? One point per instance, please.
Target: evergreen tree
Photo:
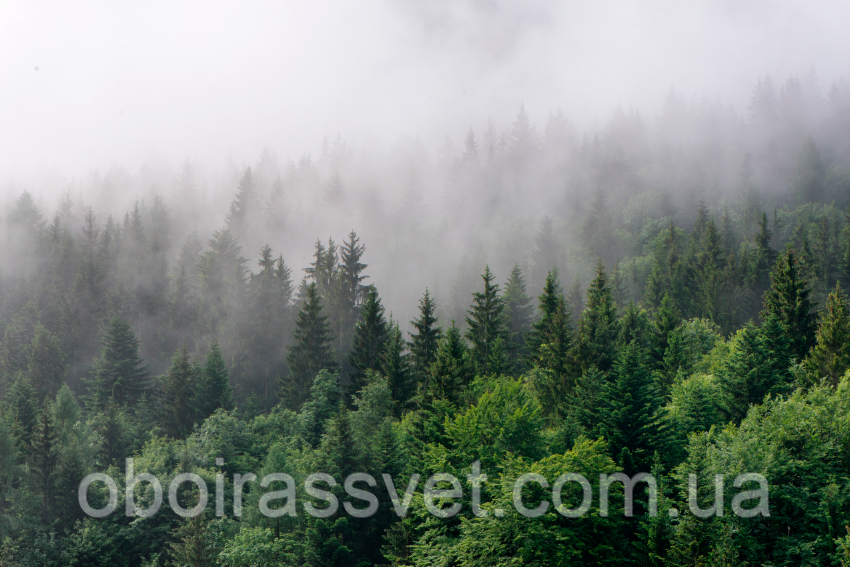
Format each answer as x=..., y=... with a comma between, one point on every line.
x=370, y=340
x=632, y=417
x=575, y=300
x=43, y=460
x=598, y=328
x=243, y=204
x=311, y=351
x=452, y=369
x=830, y=356
x=518, y=312
x=118, y=373
x=545, y=254
x=423, y=345
x=788, y=301
x=213, y=390
x=486, y=326
x=180, y=386
x=396, y=367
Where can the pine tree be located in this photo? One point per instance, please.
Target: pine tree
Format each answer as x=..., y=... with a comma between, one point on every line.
x=243, y=204
x=118, y=373
x=575, y=300
x=788, y=301
x=46, y=364
x=370, y=340
x=453, y=368
x=213, y=390
x=518, y=312
x=598, y=328
x=423, y=345
x=396, y=367
x=545, y=254
x=43, y=461
x=632, y=419
x=830, y=356
x=180, y=385
x=486, y=324
x=311, y=351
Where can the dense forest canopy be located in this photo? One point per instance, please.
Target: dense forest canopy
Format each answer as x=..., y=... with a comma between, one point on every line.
x=666, y=294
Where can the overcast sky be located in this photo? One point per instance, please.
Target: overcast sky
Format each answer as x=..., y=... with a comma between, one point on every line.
x=90, y=84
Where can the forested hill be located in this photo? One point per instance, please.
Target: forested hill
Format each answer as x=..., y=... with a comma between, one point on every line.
x=665, y=295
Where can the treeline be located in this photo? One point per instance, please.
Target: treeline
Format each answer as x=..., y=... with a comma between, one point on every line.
x=679, y=309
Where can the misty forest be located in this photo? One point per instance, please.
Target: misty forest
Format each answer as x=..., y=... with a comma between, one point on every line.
x=665, y=293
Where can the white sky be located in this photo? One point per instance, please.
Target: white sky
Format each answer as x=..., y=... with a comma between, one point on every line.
x=120, y=81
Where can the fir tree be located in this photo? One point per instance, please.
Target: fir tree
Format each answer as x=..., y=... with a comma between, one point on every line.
x=213, y=390
x=423, y=345
x=452, y=369
x=396, y=367
x=632, y=420
x=788, y=301
x=118, y=373
x=179, y=386
x=311, y=351
x=370, y=340
x=518, y=312
x=830, y=356
x=598, y=328
x=486, y=326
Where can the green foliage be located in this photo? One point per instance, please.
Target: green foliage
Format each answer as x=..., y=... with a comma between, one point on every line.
x=423, y=345
x=486, y=325
x=830, y=356
x=311, y=351
x=370, y=340
x=119, y=373
x=598, y=327
x=788, y=301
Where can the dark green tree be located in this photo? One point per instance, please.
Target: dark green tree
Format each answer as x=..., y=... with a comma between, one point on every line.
x=396, y=367
x=179, y=390
x=788, y=301
x=830, y=356
x=452, y=369
x=370, y=340
x=311, y=351
x=213, y=389
x=119, y=372
x=632, y=419
x=518, y=313
x=486, y=325
x=423, y=345
x=598, y=328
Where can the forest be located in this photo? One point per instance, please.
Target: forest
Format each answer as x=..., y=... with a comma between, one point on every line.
x=664, y=294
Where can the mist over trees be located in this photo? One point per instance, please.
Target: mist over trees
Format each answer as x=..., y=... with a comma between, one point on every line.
x=658, y=295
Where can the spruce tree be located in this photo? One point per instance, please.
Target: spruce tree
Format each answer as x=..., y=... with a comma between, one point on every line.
x=518, y=312
x=311, y=351
x=788, y=301
x=830, y=357
x=453, y=368
x=423, y=345
x=575, y=300
x=42, y=460
x=598, y=328
x=632, y=419
x=180, y=385
x=486, y=326
x=396, y=367
x=213, y=390
x=118, y=373
x=370, y=340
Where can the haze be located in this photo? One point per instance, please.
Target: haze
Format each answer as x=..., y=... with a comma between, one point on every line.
x=120, y=83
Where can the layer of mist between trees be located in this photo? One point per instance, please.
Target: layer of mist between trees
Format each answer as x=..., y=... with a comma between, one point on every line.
x=684, y=268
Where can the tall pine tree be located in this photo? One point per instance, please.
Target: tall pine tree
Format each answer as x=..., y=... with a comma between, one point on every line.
x=486, y=332
x=118, y=373
x=370, y=340
x=311, y=351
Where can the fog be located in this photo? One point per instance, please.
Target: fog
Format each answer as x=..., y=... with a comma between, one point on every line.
x=363, y=110
x=124, y=83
